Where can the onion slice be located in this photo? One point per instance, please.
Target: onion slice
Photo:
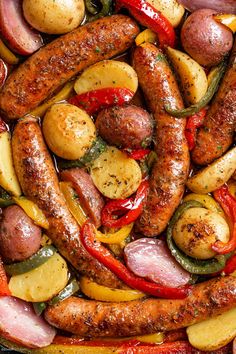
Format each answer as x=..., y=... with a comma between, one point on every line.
x=222, y=6
x=15, y=30
x=150, y=258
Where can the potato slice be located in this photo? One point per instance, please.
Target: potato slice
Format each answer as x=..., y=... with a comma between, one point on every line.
x=107, y=73
x=8, y=179
x=42, y=283
x=171, y=9
x=214, y=175
x=192, y=76
x=115, y=174
x=213, y=333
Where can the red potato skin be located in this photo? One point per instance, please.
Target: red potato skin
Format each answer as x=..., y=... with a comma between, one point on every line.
x=204, y=39
x=170, y=172
x=20, y=238
x=39, y=76
x=217, y=133
x=88, y=318
x=89, y=197
x=129, y=127
x=39, y=182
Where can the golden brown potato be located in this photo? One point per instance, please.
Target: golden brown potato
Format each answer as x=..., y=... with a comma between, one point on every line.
x=197, y=229
x=54, y=16
x=68, y=131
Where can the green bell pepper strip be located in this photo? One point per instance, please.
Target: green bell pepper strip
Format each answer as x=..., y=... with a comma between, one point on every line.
x=186, y=112
x=190, y=264
x=68, y=291
x=5, y=199
x=39, y=307
x=31, y=263
x=105, y=11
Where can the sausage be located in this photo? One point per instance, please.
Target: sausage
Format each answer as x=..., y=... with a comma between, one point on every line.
x=170, y=172
x=39, y=182
x=88, y=318
x=217, y=132
x=126, y=127
x=89, y=196
x=59, y=61
x=20, y=238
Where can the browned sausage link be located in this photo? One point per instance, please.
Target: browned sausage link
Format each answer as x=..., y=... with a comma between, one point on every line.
x=171, y=169
x=99, y=319
x=217, y=133
x=38, y=179
x=63, y=58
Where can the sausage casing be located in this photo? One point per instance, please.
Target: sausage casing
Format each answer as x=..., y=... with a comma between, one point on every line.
x=217, y=132
x=53, y=65
x=171, y=169
x=144, y=316
x=38, y=179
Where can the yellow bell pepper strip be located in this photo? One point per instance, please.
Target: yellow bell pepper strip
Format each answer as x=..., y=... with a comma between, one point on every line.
x=146, y=36
x=73, y=205
x=103, y=255
x=228, y=203
x=60, y=96
x=207, y=202
x=80, y=216
x=116, y=237
x=232, y=187
x=103, y=293
x=7, y=55
x=228, y=20
x=33, y=211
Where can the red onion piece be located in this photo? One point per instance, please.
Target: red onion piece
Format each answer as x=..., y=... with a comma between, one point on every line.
x=16, y=30
x=222, y=6
x=150, y=258
x=20, y=324
x=3, y=72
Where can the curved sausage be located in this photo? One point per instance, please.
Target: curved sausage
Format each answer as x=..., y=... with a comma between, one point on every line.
x=217, y=132
x=171, y=169
x=38, y=179
x=99, y=319
x=89, y=196
x=56, y=63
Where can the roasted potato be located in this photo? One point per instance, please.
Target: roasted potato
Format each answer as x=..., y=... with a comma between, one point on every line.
x=204, y=39
x=116, y=175
x=107, y=73
x=197, y=229
x=126, y=127
x=213, y=333
x=215, y=175
x=191, y=75
x=54, y=16
x=41, y=283
x=68, y=130
x=171, y=9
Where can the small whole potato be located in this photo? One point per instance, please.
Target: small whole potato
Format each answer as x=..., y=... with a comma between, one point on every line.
x=128, y=127
x=54, y=16
x=68, y=130
x=204, y=39
x=20, y=238
x=197, y=229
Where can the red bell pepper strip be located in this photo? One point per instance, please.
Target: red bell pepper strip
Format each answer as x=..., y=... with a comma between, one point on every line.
x=193, y=123
x=132, y=207
x=149, y=17
x=230, y=266
x=228, y=203
x=4, y=289
x=96, y=100
x=137, y=154
x=103, y=255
